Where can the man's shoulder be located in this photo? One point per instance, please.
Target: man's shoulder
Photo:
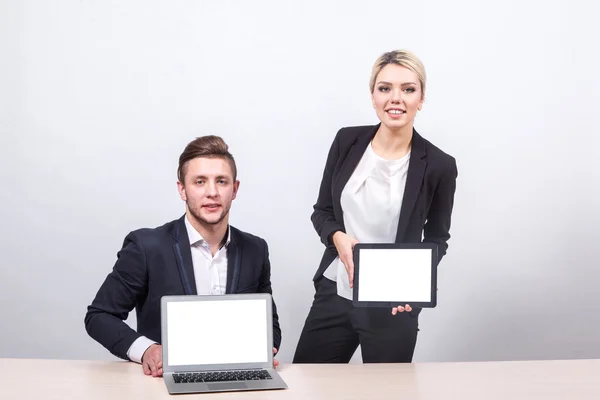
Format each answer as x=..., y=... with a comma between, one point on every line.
x=248, y=240
x=157, y=234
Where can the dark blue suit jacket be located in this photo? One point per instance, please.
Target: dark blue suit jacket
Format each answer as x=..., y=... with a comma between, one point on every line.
x=158, y=262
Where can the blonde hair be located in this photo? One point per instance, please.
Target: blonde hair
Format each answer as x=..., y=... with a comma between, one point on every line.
x=403, y=58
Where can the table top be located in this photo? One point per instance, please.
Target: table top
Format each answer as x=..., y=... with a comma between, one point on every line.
x=112, y=380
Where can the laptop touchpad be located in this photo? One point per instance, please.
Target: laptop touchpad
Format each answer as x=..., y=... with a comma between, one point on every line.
x=227, y=385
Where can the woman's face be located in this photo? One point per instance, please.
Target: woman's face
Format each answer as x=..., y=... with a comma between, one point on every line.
x=397, y=96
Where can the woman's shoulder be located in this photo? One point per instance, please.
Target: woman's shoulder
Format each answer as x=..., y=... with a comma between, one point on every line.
x=435, y=152
x=349, y=134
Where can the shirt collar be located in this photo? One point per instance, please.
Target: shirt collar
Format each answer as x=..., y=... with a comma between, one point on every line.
x=195, y=236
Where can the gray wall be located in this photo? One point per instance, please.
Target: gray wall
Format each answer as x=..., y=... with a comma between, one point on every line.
x=98, y=98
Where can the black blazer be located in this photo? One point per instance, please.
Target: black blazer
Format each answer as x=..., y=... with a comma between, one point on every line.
x=428, y=197
x=158, y=262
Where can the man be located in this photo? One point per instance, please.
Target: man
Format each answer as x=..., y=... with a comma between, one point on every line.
x=198, y=254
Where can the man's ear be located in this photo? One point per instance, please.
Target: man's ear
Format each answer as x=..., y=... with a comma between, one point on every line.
x=181, y=189
x=236, y=187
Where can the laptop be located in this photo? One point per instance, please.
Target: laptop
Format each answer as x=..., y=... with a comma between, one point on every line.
x=218, y=343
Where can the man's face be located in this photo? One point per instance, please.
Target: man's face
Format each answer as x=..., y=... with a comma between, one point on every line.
x=208, y=189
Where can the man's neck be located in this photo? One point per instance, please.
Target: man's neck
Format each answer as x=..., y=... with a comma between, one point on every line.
x=213, y=234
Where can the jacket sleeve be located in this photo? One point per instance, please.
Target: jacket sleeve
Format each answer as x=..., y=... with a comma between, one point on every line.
x=437, y=227
x=104, y=320
x=265, y=287
x=323, y=218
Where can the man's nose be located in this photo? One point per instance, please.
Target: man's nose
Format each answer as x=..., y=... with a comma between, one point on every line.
x=211, y=189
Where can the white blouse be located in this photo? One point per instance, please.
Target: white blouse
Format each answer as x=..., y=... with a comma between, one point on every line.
x=371, y=202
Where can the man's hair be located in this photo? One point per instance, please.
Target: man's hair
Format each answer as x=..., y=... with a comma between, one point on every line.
x=205, y=146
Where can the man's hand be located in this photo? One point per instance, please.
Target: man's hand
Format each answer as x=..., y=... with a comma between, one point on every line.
x=275, y=362
x=152, y=360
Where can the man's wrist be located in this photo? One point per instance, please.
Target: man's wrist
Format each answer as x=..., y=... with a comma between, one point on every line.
x=138, y=349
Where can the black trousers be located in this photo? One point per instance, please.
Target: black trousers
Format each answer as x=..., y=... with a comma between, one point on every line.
x=334, y=328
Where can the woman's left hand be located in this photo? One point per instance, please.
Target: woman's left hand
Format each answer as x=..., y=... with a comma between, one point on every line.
x=398, y=309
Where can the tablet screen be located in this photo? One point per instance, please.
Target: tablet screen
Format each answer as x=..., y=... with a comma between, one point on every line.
x=394, y=275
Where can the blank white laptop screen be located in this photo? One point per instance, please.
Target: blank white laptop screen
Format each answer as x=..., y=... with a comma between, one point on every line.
x=394, y=275
x=217, y=332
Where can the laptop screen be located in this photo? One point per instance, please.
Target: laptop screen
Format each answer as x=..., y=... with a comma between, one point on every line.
x=217, y=332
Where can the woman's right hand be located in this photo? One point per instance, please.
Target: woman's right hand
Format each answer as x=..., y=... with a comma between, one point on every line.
x=344, y=245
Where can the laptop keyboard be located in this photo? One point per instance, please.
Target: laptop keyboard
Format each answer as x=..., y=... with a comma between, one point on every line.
x=223, y=376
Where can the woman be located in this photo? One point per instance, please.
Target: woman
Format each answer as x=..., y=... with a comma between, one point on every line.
x=382, y=183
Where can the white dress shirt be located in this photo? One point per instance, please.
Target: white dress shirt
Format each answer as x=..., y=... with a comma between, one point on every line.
x=371, y=203
x=210, y=276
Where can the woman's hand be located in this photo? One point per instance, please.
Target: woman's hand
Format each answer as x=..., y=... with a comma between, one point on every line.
x=406, y=307
x=344, y=245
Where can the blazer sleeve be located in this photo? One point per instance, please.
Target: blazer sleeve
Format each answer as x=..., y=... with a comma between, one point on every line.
x=104, y=320
x=437, y=227
x=323, y=217
x=265, y=287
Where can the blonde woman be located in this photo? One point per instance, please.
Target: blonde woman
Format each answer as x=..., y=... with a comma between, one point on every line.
x=381, y=183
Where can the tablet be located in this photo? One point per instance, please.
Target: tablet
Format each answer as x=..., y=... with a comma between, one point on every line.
x=393, y=274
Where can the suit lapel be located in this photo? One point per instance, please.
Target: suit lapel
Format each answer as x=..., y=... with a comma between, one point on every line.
x=414, y=181
x=183, y=256
x=357, y=150
x=234, y=262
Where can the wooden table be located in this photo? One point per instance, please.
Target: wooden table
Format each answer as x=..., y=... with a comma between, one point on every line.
x=100, y=380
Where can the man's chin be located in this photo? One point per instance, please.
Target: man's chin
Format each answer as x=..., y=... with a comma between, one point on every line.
x=212, y=220
x=208, y=218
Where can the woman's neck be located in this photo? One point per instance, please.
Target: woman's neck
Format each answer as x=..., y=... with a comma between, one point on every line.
x=392, y=144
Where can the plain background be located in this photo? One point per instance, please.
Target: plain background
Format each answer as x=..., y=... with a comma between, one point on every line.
x=98, y=99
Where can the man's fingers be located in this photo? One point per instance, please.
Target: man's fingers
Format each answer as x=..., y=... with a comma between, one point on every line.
x=275, y=362
x=152, y=367
x=146, y=369
x=394, y=310
x=408, y=308
x=157, y=369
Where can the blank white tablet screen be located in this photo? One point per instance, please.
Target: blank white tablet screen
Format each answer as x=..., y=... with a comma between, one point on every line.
x=394, y=275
